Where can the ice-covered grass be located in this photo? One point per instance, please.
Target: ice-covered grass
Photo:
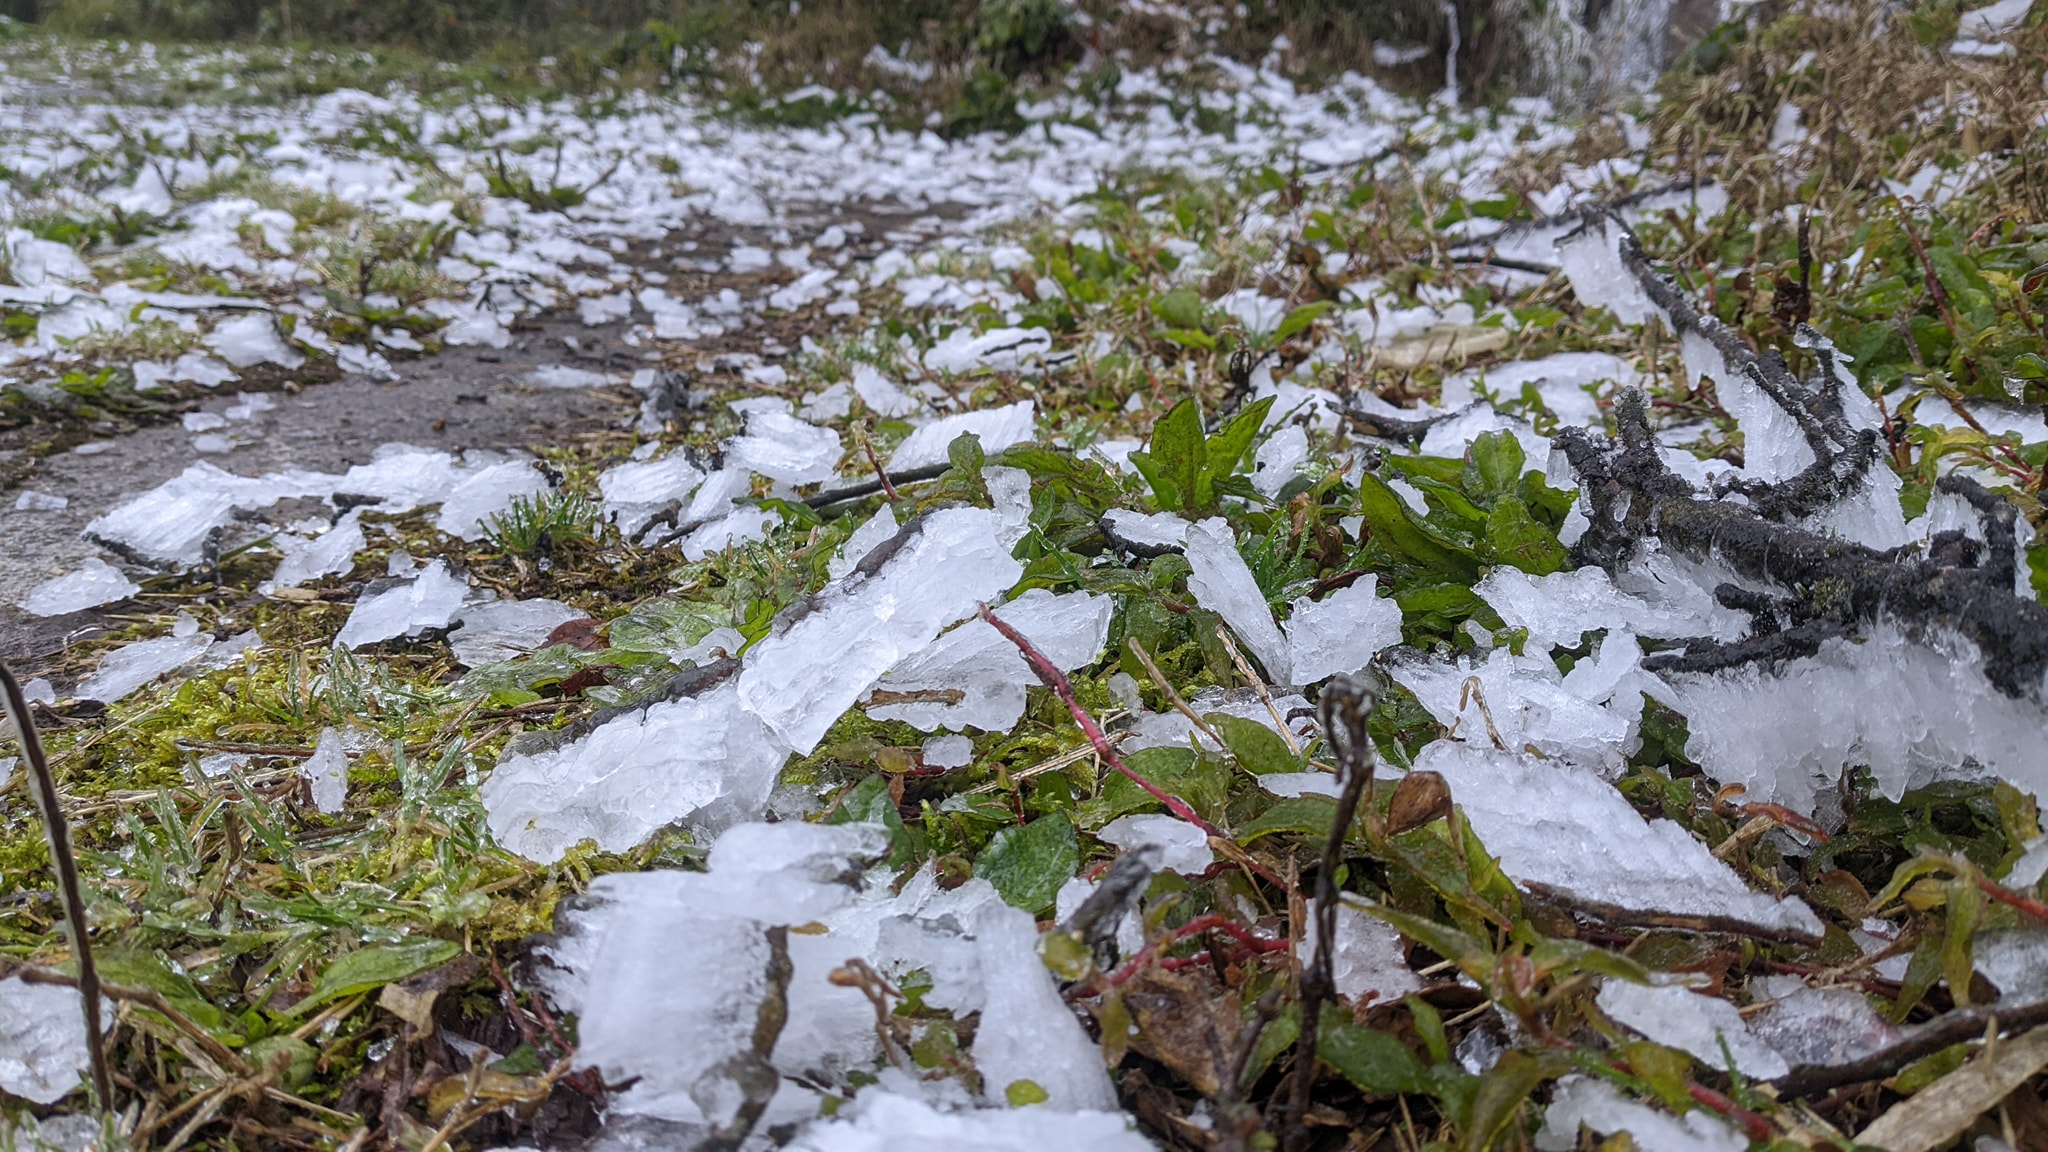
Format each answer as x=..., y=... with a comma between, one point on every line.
x=730, y=809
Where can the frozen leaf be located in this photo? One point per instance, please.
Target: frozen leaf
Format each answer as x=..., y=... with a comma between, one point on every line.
x=372, y=967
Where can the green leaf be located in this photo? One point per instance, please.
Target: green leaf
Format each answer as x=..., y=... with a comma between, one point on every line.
x=1227, y=448
x=295, y=1058
x=2030, y=366
x=1371, y=1060
x=1298, y=320
x=1429, y=1024
x=369, y=968
x=1173, y=461
x=1501, y=1091
x=1023, y=1092
x=965, y=454
x=1497, y=463
x=1304, y=815
x=1393, y=524
x=1028, y=864
x=1203, y=782
x=1189, y=338
x=1258, y=749
x=1180, y=308
x=1517, y=538
x=134, y=966
x=869, y=802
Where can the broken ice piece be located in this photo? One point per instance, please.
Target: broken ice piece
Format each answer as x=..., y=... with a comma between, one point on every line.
x=973, y=677
x=801, y=679
x=1183, y=847
x=432, y=600
x=1153, y=530
x=326, y=773
x=1221, y=582
x=502, y=629
x=996, y=428
x=331, y=553
x=740, y=526
x=998, y=349
x=93, y=584
x=2015, y=961
x=952, y=751
x=1707, y=1028
x=1594, y=1104
x=1817, y=1026
x=1591, y=259
x=878, y=528
x=39, y=691
x=782, y=447
x=634, y=774
x=131, y=666
x=468, y=510
x=1566, y=829
x=885, y=1121
x=1367, y=957
x=43, y=1052
x=1342, y=632
x=31, y=500
x=881, y=394
x=1559, y=609
x=251, y=339
x=635, y=493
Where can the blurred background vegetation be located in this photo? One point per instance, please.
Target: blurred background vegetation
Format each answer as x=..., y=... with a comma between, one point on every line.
x=962, y=59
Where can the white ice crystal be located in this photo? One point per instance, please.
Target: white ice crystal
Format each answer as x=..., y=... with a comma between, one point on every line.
x=998, y=349
x=1593, y=1103
x=873, y=531
x=1591, y=259
x=1183, y=847
x=1521, y=702
x=782, y=447
x=883, y=1121
x=43, y=1053
x=1564, y=827
x=952, y=751
x=986, y=671
x=131, y=666
x=1559, y=609
x=996, y=428
x=252, y=339
x=308, y=558
x=467, y=511
x=882, y=395
x=634, y=774
x=1341, y=632
x=502, y=629
x=432, y=600
x=326, y=772
x=801, y=679
x=635, y=493
x=1817, y=1026
x=1366, y=957
x=94, y=583
x=1148, y=529
x=1707, y=1028
x=1220, y=581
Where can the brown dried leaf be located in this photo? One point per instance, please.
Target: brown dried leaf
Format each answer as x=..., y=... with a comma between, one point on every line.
x=1940, y=1112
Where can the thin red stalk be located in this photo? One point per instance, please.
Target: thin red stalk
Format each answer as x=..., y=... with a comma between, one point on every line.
x=2012, y=899
x=1200, y=924
x=1758, y=1128
x=1057, y=681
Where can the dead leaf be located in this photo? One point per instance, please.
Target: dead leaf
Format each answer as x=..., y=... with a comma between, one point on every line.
x=412, y=999
x=1186, y=1022
x=584, y=635
x=1940, y=1112
x=1419, y=798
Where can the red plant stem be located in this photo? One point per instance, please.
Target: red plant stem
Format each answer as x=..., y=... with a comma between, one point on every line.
x=1200, y=924
x=1758, y=1128
x=1057, y=681
x=2012, y=899
x=888, y=488
x=1934, y=285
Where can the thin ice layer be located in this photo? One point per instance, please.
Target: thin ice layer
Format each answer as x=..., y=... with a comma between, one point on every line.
x=1183, y=847
x=883, y=1121
x=973, y=677
x=1367, y=957
x=331, y=553
x=1817, y=1026
x=326, y=772
x=1522, y=702
x=433, y=600
x=800, y=680
x=96, y=582
x=1566, y=828
x=635, y=493
x=1707, y=1028
x=873, y=532
x=1559, y=609
x=1220, y=581
x=1600, y=1107
x=1591, y=259
x=639, y=772
x=468, y=510
x=131, y=666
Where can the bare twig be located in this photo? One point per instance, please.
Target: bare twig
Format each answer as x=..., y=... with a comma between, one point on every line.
x=1258, y=682
x=66, y=866
x=1346, y=704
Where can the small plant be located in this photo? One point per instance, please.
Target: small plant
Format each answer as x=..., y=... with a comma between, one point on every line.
x=1188, y=472
x=544, y=522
